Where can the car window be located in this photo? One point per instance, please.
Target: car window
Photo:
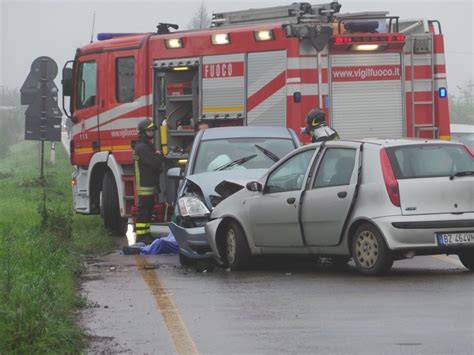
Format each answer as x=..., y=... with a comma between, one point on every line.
x=430, y=160
x=125, y=79
x=336, y=168
x=220, y=154
x=290, y=175
x=86, y=85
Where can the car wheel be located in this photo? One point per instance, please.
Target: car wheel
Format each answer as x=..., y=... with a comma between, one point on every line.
x=467, y=258
x=369, y=251
x=110, y=209
x=236, y=250
x=185, y=261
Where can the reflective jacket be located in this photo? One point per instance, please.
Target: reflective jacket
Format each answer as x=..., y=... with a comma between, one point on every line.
x=147, y=167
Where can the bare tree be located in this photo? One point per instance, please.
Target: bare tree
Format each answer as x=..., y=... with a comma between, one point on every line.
x=201, y=18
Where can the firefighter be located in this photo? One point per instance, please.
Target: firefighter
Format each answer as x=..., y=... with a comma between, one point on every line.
x=148, y=164
x=317, y=128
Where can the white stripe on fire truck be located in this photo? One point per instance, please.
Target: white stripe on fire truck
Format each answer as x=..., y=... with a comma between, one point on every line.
x=293, y=80
x=91, y=122
x=306, y=89
x=123, y=109
x=129, y=122
x=122, y=128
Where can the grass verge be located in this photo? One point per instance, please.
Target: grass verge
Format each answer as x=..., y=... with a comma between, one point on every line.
x=40, y=254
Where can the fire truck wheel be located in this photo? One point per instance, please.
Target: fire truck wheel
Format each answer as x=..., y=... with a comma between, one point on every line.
x=110, y=209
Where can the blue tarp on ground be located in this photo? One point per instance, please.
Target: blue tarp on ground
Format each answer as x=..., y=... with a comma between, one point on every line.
x=164, y=245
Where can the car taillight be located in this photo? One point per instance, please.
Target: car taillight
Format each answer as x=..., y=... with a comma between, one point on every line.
x=389, y=178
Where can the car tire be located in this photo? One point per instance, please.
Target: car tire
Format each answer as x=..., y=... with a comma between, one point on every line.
x=237, y=252
x=467, y=258
x=185, y=261
x=110, y=209
x=370, y=252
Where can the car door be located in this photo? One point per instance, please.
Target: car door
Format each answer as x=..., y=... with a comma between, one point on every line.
x=274, y=213
x=86, y=108
x=328, y=198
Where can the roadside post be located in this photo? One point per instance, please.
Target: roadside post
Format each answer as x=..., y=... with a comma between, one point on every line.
x=43, y=116
x=53, y=152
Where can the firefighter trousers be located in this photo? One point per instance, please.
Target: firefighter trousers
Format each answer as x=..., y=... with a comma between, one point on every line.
x=145, y=212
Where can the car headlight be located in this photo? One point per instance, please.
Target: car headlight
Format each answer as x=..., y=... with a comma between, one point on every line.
x=190, y=206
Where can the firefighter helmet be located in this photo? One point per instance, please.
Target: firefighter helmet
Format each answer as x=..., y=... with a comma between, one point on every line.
x=145, y=125
x=315, y=117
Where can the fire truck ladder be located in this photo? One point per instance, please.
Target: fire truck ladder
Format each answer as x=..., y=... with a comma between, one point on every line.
x=294, y=13
x=423, y=44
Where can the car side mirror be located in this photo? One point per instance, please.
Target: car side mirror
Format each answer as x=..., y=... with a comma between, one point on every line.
x=175, y=173
x=254, y=186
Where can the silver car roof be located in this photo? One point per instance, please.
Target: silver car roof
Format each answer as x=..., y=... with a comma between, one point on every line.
x=246, y=132
x=390, y=142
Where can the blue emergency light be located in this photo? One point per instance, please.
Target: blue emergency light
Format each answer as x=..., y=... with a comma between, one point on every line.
x=442, y=92
x=106, y=36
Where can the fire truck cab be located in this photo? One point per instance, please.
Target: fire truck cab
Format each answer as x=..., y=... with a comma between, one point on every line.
x=373, y=74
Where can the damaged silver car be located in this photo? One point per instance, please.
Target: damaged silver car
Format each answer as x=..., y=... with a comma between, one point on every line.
x=375, y=201
x=221, y=160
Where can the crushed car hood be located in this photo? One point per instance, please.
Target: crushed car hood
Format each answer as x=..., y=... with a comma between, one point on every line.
x=209, y=181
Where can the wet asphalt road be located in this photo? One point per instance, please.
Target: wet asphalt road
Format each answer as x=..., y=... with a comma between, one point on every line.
x=424, y=306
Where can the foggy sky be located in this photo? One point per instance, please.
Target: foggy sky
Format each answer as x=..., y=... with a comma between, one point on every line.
x=56, y=28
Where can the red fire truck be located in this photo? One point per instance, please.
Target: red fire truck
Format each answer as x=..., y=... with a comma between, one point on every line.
x=373, y=74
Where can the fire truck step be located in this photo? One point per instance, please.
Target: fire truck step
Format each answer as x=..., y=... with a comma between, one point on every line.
x=425, y=125
x=423, y=102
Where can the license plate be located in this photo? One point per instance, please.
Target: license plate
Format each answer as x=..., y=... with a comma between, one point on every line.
x=455, y=238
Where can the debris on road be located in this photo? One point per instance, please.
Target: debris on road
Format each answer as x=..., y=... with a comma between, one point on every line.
x=164, y=245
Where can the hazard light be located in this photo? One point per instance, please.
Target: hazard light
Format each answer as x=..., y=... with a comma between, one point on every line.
x=174, y=43
x=220, y=38
x=266, y=35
